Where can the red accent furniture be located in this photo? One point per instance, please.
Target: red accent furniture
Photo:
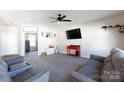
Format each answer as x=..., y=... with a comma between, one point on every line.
x=73, y=47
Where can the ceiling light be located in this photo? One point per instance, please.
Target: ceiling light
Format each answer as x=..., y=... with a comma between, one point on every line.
x=59, y=22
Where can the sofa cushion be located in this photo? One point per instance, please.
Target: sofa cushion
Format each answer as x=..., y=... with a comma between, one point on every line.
x=13, y=59
x=108, y=70
x=118, y=60
x=43, y=76
x=4, y=76
x=107, y=60
x=97, y=57
x=114, y=50
x=80, y=77
x=113, y=69
x=10, y=56
x=92, y=69
x=118, y=63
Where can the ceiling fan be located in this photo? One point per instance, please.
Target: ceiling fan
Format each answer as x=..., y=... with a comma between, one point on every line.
x=60, y=19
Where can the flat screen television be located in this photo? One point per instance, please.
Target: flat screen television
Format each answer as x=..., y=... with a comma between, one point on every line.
x=74, y=33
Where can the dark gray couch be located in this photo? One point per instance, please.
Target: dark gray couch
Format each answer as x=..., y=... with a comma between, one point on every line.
x=5, y=75
x=102, y=69
x=14, y=64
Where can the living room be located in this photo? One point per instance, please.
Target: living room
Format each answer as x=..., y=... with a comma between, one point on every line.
x=100, y=33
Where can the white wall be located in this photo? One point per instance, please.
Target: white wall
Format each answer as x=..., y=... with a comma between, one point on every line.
x=43, y=42
x=8, y=40
x=62, y=40
x=12, y=39
x=94, y=39
x=22, y=38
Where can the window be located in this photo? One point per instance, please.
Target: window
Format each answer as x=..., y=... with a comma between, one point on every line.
x=32, y=39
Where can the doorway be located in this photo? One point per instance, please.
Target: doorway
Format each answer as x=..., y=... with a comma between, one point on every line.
x=31, y=42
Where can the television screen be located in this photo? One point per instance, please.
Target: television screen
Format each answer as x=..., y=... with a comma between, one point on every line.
x=73, y=34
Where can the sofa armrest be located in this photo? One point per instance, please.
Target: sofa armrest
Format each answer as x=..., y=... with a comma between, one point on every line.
x=81, y=77
x=13, y=73
x=40, y=77
x=97, y=57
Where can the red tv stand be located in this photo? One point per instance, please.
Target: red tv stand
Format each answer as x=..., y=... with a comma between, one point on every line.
x=73, y=47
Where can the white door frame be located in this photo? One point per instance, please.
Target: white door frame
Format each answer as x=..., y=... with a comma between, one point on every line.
x=22, y=52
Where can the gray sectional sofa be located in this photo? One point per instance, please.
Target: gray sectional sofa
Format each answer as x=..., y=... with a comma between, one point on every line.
x=14, y=64
x=40, y=77
x=102, y=69
x=8, y=71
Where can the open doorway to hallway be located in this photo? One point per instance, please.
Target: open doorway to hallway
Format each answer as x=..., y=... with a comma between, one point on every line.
x=31, y=42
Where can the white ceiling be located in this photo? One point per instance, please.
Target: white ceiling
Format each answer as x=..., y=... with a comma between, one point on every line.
x=42, y=16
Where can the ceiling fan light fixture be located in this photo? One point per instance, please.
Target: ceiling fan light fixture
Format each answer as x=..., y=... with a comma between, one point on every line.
x=59, y=22
x=60, y=19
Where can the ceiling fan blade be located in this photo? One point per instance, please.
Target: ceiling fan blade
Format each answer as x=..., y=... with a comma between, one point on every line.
x=63, y=16
x=53, y=21
x=67, y=20
x=52, y=17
